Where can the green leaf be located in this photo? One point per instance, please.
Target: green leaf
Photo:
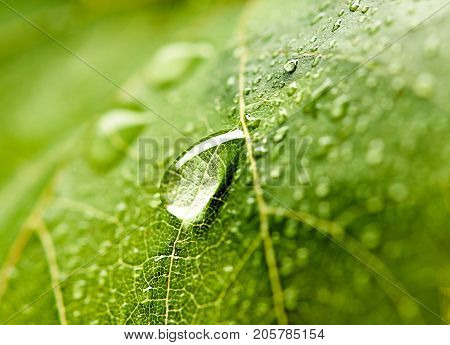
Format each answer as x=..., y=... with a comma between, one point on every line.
x=329, y=204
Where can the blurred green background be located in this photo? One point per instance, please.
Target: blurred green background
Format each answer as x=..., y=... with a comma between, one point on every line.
x=46, y=93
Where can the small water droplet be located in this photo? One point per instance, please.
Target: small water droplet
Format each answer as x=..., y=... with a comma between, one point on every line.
x=316, y=60
x=313, y=39
x=173, y=61
x=231, y=81
x=280, y=134
x=155, y=201
x=341, y=13
x=200, y=176
x=317, y=18
x=275, y=173
x=282, y=116
x=372, y=29
x=112, y=136
x=332, y=44
x=250, y=200
x=354, y=5
x=260, y=151
x=290, y=66
x=121, y=206
x=337, y=25
x=252, y=122
x=424, y=85
x=365, y=9
x=322, y=189
x=322, y=89
x=292, y=88
x=326, y=141
x=339, y=106
x=432, y=46
x=389, y=20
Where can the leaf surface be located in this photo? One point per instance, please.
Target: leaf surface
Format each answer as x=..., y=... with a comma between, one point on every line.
x=351, y=231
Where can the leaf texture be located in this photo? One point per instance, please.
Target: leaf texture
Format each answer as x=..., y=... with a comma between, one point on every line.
x=90, y=239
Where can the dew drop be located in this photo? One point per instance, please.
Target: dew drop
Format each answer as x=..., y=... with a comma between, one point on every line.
x=432, y=46
x=231, y=81
x=280, y=134
x=121, y=207
x=373, y=29
x=175, y=60
x=316, y=60
x=275, y=173
x=155, y=201
x=322, y=189
x=323, y=88
x=424, y=85
x=257, y=80
x=325, y=141
x=290, y=66
x=260, y=151
x=389, y=20
x=282, y=116
x=298, y=97
x=354, y=5
x=317, y=18
x=332, y=44
x=292, y=88
x=200, y=176
x=339, y=106
x=252, y=122
x=112, y=136
x=337, y=25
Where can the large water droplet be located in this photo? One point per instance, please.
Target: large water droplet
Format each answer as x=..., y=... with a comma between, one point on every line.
x=199, y=178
